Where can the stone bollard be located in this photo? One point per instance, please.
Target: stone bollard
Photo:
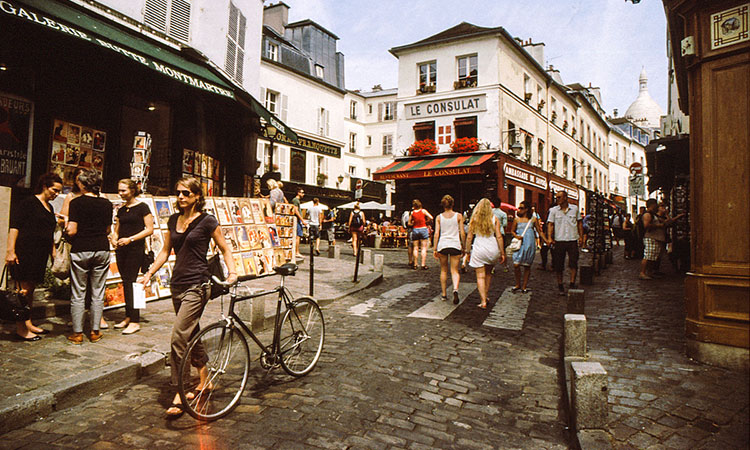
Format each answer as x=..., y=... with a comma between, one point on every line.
x=576, y=301
x=378, y=260
x=608, y=258
x=378, y=241
x=588, y=395
x=586, y=272
x=575, y=336
x=331, y=251
x=367, y=256
x=337, y=251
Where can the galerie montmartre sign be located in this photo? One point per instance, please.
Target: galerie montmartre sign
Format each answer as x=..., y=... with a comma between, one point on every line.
x=10, y=8
x=433, y=108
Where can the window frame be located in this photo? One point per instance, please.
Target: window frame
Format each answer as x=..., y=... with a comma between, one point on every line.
x=430, y=75
x=468, y=79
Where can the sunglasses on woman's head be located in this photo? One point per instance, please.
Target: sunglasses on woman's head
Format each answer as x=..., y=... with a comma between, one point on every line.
x=183, y=192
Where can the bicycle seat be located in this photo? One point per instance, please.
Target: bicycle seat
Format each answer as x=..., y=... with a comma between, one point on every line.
x=287, y=269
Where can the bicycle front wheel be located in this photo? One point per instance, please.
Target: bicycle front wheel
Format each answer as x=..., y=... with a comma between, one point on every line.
x=217, y=390
x=301, y=337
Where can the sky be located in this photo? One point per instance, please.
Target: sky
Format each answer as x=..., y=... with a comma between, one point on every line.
x=602, y=42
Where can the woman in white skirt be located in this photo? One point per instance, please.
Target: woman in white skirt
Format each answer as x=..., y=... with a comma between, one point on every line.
x=485, y=241
x=449, y=239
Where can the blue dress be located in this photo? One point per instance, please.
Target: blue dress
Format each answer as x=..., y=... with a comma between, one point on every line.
x=525, y=256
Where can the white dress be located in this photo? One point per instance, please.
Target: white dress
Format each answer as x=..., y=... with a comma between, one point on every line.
x=484, y=250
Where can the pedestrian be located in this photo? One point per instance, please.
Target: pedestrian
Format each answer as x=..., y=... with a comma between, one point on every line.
x=133, y=224
x=502, y=216
x=420, y=232
x=655, y=236
x=89, y=226
x=523, y=227
x=544, y=250
x=448, y=245
x=627, y=234
x=406, y=221
x=329, y=227
x=565, y=236
x=617, y=222
x=638, y=233
x=276, y=195
x=316, y=213
x=485, y=241
x=296, y=201
x=30, y=243
x=189, y=233
x=356, y=227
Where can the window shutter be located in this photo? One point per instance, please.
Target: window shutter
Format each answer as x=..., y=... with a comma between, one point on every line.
x=232, y=29
x=284, y=103
x=380, y=112
x=263, y=97
x=320, y=121
x=231, y=57
x=327, y=122
x=241, y=31
x=393, y=110
x=155, y=14
x=179, y=20
x=240, y=65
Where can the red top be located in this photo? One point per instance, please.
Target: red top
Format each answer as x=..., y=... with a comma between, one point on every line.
x=418, y=219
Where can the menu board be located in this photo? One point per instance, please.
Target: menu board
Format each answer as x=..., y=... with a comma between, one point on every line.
x=258, y=238
x=74, y=146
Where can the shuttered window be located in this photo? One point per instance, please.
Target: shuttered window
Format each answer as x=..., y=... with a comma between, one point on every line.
x=171, y=17
x=235, y=43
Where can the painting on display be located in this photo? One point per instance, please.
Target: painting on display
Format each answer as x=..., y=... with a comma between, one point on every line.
x=75, y=146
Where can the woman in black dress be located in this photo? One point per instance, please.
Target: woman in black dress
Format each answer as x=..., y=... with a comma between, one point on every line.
x=133, y=224
x=30, y=244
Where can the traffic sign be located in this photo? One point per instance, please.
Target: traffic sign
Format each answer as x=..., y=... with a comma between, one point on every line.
x=359, y=184
x=636, y=168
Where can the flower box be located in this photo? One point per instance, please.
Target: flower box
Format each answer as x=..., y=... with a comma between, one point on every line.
x=422, y=148
x=426, y=89
x=465, y=145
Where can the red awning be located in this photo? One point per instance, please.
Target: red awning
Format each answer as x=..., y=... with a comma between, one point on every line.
x=434, y=166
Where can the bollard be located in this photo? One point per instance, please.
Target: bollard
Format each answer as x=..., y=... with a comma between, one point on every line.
x=367, y=256
x=587, y=274
x=576, y=301
x=378, y=260
x=331, y=251
x=337, y=252
x=609, y=259
x=378, y=241
x=575, y=336
x=588, y=395
x=257, y=314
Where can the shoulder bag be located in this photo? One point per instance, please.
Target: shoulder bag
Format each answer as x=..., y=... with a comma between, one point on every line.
x=215, y=266
x=515, y=243
x=61, y=263
x=12, y=305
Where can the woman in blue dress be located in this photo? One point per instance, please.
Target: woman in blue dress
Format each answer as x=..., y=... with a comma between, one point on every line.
x=523, y=228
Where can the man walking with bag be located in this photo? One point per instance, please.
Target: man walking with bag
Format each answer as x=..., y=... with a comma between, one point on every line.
x=565, y=234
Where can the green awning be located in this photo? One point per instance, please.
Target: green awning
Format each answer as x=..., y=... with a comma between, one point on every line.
x=67, y=20
x=268, y=116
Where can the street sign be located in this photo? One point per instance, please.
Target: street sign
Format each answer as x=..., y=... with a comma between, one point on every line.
x=637, y=186
x=357, y=194
x=636, y=169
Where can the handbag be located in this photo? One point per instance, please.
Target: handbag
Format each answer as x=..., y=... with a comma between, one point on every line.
x=12, y=305
x=148, y=259
x=515, y=243
x=216, y=269
x=61, y=263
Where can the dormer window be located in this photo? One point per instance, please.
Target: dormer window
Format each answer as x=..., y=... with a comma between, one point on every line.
x=272, y=51
x=319, y=72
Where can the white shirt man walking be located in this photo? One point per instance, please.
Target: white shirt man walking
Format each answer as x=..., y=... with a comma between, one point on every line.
x=565, y=234
x=316, y=213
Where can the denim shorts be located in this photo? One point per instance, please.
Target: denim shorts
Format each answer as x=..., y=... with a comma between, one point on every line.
x=300, y=231
x=419, y=234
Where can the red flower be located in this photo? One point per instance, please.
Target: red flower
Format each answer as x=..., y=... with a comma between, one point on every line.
x=464, y=145
x=422, y=148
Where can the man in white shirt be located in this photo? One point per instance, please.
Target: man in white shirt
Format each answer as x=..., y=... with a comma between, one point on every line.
x=315, y=211
x=409, y=243
x=565, y=234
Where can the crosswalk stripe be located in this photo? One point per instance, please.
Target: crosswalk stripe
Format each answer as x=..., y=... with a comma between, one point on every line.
x=438, y=308
x=510, y=311
x=386, y=299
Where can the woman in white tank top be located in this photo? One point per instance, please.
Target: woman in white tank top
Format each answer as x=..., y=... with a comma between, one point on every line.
x=448, y=245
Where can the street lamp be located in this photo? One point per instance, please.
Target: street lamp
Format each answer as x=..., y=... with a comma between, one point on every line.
x=340, y=180
x=271, y=132
x=515, y=148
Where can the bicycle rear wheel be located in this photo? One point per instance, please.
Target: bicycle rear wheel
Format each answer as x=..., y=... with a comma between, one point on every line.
x=301, y=337
x=228, y=363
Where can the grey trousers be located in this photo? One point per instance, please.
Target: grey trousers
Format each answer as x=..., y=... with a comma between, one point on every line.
x=88, y=272
x=189, y=302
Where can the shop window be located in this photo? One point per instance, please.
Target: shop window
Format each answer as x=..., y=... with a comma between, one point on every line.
x=466, y=127
x=424, y=130
x=444, y=134
x=427, y=73
x=171, y=17
x=272, y=51
x=387, y=144
x=298, y=162
x=235, y=43
x=467, y=72
x=352, y=142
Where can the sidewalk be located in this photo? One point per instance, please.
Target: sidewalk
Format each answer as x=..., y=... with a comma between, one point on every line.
x=658, y=397
x=53, y=374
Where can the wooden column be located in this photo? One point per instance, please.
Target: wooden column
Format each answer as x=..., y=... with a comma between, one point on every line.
x=716, y=82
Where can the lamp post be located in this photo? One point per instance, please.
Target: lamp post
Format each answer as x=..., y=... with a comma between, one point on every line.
x=271, y=132
x=515, y=148
x=340, y=180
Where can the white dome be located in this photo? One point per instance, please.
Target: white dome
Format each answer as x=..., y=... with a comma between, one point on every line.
x=644, y=111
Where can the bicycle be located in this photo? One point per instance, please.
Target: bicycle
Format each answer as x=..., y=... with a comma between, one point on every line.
x=296, y=346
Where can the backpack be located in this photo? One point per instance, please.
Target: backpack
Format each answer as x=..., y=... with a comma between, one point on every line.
x=356, y=220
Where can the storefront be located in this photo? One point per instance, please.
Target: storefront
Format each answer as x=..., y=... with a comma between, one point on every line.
x=79, y=88
x=466, y=177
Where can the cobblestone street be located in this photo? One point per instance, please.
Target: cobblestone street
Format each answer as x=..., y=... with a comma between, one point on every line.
x=403, y=369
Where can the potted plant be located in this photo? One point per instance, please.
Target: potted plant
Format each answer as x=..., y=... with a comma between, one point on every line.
x=422, y=148
x=540, y=105
x=554, y=116
x=565, y=125
x=465, y=145
x=322, y=179
x=527, y=97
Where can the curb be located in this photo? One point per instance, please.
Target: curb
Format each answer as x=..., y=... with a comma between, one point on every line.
x=23, y=409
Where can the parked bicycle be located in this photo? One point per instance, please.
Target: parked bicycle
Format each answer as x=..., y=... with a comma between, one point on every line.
x=298, y=336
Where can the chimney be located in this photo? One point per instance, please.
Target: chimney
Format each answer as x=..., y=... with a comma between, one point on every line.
x=276, y=16
x=535, y=50
x=614, y=112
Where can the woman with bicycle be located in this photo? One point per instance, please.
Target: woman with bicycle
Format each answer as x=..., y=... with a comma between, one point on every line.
x=189, y=233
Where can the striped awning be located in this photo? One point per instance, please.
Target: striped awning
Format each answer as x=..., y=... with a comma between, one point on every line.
x=434, y=166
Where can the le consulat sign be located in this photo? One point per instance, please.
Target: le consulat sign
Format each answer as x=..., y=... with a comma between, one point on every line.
x=445, y=107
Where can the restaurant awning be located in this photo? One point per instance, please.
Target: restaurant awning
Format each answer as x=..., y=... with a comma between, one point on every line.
x=434, y=166
x=85, y=26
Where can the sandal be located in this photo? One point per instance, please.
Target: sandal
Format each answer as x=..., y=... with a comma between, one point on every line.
x=455, y=297
x=175, y=414
x=424, y=267
x=515, y=289
x=482, y=306
x=444, y=298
